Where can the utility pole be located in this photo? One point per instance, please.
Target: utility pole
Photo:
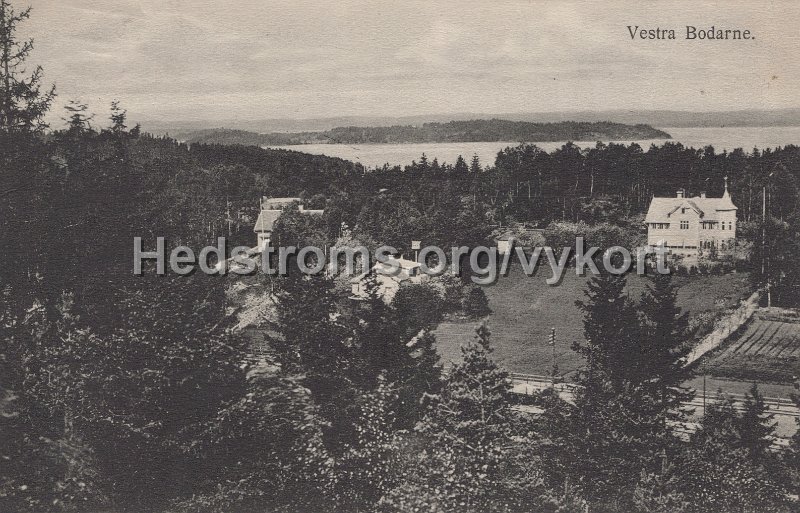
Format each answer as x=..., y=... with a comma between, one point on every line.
x=764, y=238
x=552, y=343
x=229, y=220
x=704, y=386
x=763, y=228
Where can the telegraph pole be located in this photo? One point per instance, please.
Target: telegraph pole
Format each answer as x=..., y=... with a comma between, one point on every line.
x=551, y=340
x=704, y=386
x=764, y=238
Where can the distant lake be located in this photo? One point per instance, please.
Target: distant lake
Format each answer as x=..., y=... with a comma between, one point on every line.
x=375, y=155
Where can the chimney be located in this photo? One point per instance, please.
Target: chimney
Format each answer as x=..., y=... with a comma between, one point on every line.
x=680, y=193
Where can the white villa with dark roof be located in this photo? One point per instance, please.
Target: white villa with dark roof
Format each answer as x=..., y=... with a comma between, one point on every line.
x=685, y=225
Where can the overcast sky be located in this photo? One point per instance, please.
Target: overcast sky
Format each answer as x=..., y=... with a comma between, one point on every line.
x=255, y=59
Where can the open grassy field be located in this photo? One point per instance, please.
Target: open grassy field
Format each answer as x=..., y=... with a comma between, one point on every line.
x=767, y=348
x=525, y=308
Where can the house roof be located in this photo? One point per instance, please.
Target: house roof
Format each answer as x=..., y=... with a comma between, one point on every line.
x=399, y=277
x=503, y=235
x=266, y=220
x=402, y=262
x=277, y=203
x=707, y=208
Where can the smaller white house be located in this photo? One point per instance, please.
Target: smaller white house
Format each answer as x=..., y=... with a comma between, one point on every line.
x=390, y=276
x=271, y=209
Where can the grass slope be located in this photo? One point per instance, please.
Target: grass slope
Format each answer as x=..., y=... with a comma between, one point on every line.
x=525, y=308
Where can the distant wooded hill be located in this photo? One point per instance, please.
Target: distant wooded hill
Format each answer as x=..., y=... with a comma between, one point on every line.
x=484, y=130
x=657, y=118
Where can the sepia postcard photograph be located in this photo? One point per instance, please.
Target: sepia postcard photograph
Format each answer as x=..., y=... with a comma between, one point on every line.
x=476, y=256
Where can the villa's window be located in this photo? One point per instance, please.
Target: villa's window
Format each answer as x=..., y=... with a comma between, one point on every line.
x=684, y=225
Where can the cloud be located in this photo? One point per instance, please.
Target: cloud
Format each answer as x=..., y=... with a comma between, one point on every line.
x=258, y=59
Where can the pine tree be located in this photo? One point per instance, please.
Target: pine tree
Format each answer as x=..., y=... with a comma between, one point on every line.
x=425, y=378
x=23, y=103
x=26, y=183
x=475, y=389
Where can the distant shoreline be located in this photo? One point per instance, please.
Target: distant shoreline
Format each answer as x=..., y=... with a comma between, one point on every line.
x=697, y=138
x=493, y=130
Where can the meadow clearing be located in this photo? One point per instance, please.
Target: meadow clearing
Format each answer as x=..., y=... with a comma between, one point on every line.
x=525, y=308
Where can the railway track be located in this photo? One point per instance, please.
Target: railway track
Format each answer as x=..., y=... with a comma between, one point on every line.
x=784, y=410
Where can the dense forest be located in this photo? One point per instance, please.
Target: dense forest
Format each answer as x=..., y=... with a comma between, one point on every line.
x=123, y=393
x=488, y=130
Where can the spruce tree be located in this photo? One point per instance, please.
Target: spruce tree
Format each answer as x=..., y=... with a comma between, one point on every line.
x=118, y=118
x=611, y=435
x=663, y=347
x=477, y=454
x=308, y=337
x=141, y=388
x=410, y=363
x=717, y=470
x=792, y=458
x=23, y=103
x=610, y=327
x=475, y=165
x=660, y=492
x=756, y=426
x=26, y=184
x=263, y=451
x=367, y=470
x=460, y=169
